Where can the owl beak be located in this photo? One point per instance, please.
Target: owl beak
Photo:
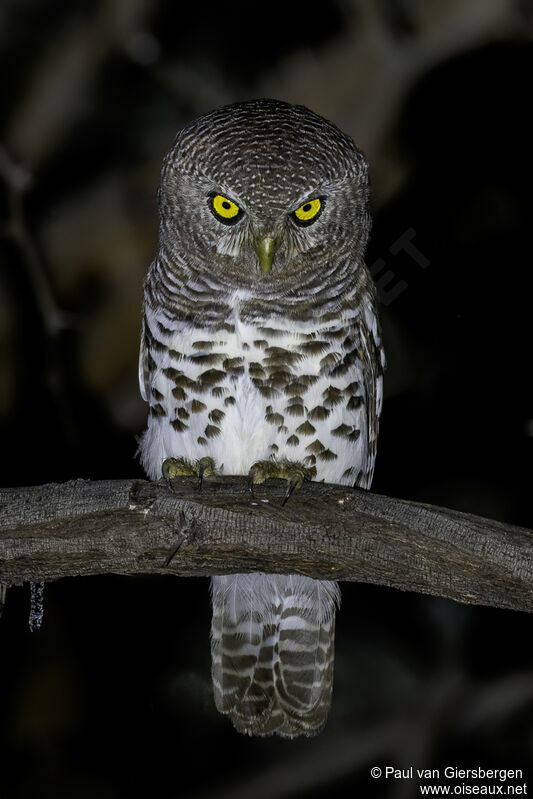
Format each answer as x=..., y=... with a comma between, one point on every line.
x=265, y=249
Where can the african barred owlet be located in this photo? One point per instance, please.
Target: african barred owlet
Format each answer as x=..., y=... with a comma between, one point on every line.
x=261, y=356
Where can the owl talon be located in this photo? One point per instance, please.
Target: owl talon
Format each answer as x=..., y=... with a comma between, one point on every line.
x=289, y=492
x=294, y=473
x=205, y=467
x=181, y=467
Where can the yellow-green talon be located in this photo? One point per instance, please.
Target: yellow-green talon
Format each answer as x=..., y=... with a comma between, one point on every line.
x=294, y=473
x=181, y=467
x=205, y=467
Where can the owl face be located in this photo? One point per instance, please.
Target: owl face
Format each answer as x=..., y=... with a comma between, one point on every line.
x=264, y=197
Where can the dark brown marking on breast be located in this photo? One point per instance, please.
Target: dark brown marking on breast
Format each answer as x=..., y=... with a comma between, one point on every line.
x=352, y=388
x=171, y=373
x=182, y=413
x=283, y=429
x=157, y=410
x=229, y=401
x=256, y=370
x=197, y=406
x=267, y=392
x=270, y=332
x=350, y=358
x=175, y=355
x=207, y=358
x=308, y=380
x=354, y=403
x=327, y=455
x=183, y=381
x=203, y=345
x=328, y=361
x=280, y=356
x=295, y=410
x=179, y=394
x=314, y=347
x=279, y=378
x=332, y=396
x=235, y=373
x=334, y=333
x=274, y=447
x=354, y=435
x=212, y=376
x=340, y=370
x=342, y=430
x=293, y=441
x=178, y=425
x=225, y=326
x=260, y=343
x=274, y=418
x=295, y=389
x=219, y=391
x=216, y=416
x=316, y=447
x=318, y=413
x=232, y=363
x=211, y=431
x=157, y=395
x=309, y=460
x=199, y=388
x=201, y=440
x=306, y=429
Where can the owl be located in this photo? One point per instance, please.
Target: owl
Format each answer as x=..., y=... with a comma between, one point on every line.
x=261, y=355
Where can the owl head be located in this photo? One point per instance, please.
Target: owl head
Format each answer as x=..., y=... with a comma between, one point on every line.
x=265, y=197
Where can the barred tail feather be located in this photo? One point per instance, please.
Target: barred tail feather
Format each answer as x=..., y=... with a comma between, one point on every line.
x=272, y=649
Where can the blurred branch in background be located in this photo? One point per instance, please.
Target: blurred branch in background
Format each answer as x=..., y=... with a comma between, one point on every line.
x=326, y=531
x=52, y=320
x=18, y=180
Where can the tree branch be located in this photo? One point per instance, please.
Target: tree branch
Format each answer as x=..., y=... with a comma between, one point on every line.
x=325, y=531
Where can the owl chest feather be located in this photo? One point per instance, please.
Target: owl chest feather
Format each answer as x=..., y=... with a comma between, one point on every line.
x=249, y=392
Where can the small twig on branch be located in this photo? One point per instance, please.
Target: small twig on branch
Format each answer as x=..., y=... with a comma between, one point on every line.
x=325, y=531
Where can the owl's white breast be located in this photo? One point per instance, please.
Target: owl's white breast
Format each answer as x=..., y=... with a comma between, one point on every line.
x=237, y=424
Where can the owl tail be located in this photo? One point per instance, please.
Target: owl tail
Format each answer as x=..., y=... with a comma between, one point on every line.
x=272, y=650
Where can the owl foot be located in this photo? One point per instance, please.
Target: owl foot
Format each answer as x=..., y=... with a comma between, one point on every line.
x=181, y=467
x=294, y=473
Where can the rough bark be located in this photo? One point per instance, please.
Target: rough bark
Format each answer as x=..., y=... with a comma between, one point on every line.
x=325, y=531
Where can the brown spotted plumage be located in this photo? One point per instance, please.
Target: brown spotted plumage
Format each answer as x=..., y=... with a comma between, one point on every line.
x=261, y=355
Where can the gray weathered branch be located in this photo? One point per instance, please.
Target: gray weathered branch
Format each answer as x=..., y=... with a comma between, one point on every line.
x=325, y=531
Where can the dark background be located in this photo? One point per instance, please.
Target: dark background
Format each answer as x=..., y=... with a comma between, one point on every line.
x=112, y=697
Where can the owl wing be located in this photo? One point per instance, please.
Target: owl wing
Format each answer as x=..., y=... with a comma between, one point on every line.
x=373, y=363
x=144, y=370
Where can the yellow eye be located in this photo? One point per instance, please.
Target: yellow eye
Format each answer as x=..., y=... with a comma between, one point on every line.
x=226, y=210
x=308, y=211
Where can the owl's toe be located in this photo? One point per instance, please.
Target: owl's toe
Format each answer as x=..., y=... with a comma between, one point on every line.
x=181, y=467
x=293, y=472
